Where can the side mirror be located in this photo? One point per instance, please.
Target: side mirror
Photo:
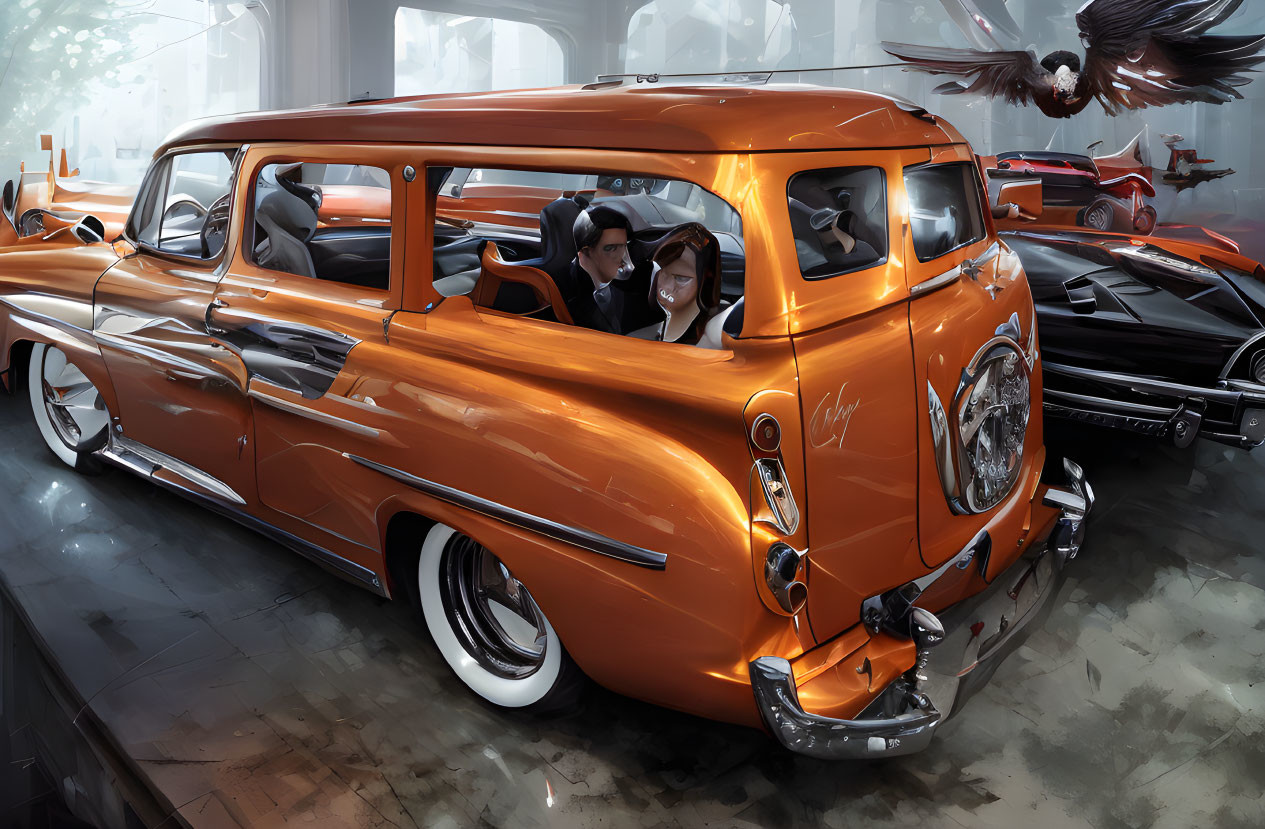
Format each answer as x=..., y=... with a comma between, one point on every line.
x=89, y=230
x=1020, y=200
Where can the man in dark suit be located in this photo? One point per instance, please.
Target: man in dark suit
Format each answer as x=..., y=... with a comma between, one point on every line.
x=591, y=287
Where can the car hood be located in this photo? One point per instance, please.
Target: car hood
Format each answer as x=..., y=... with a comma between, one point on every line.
x=1153, y=311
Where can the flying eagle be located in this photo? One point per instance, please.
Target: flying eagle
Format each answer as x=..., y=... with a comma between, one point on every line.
x=1138, y=53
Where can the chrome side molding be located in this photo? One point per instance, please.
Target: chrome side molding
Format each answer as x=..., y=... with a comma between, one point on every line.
x=140, y=459
x=143, y=460
x=575, y=536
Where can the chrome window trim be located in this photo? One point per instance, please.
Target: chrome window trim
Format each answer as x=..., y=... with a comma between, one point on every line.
x=584, y=539
x=936, y=282
x=146, y=189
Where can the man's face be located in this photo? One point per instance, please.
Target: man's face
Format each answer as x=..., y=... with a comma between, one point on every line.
x=607, y=256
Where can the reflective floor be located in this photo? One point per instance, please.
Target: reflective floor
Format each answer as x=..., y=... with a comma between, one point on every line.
x=254, y=689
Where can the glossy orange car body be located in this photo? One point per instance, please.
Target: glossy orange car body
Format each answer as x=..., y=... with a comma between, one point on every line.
x=626, y=445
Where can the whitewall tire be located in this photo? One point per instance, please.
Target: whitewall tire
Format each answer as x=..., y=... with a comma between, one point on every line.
x=488, y=628
x=68, y=409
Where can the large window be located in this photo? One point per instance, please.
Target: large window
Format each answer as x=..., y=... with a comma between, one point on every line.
x=507, y=239
x=944, y=208
x=324, y=221
x=437, y=52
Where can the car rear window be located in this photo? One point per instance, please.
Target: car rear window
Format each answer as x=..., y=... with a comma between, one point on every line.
x=944, y=208
x=839, y=219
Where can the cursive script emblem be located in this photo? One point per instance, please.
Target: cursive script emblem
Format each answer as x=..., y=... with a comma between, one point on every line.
x=829, y=423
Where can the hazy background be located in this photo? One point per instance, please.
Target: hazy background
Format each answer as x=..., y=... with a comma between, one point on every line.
x=111, y=78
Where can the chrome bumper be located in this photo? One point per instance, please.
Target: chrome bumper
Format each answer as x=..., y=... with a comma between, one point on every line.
x=981, y=631
x=1232, y=412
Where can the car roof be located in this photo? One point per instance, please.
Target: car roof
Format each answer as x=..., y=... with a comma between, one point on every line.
x=654, y=117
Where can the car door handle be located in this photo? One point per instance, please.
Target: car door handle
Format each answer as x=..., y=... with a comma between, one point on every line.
x=211, y=327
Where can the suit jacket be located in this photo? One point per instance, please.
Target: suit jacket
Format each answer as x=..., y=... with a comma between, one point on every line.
x=627, y=310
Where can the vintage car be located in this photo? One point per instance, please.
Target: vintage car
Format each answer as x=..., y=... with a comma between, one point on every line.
x=826, y=518
x=1077, y=194
x=1161, y=334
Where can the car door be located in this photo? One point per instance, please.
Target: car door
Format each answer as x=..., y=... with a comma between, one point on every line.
x=311, y=287
x=182, y=403
x=969, y=305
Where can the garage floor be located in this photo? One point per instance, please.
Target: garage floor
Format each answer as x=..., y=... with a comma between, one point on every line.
x=254, y=689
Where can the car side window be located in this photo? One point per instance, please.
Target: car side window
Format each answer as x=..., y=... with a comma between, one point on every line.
x=839, y=220
x=324, y=221
x=944, y=208
x=186, y=207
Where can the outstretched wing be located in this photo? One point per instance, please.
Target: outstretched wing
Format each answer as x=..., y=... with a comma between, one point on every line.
x=1010, y=75
x=1142, y=53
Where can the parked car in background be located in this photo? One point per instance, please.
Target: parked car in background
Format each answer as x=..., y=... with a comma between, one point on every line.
x=827, y=517
x=1077, y=194
x=1161, y=334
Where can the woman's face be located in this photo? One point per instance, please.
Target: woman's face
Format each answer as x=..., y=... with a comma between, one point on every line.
x=676, y=286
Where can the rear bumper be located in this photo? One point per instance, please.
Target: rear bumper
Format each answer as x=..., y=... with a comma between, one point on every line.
x=1231, y=412
x=979, y=633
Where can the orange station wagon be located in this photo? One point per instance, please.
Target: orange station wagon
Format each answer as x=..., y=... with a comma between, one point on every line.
x=367, y=331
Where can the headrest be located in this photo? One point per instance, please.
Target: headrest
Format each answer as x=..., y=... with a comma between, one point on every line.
x=290, y=205
x=557, y=244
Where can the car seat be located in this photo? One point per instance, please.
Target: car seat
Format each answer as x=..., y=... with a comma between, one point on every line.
x=287, y=212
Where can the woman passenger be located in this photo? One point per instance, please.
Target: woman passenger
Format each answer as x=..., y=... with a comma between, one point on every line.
x=685, y=283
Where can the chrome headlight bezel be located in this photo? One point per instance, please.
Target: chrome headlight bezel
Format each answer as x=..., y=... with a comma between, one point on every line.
x=980, y=440
x=990, y=414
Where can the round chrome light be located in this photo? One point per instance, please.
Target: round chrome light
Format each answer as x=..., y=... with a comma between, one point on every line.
x=992, y=409
x=766, y=433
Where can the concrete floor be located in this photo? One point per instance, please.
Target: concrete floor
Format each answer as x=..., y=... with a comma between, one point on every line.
x=254, y=689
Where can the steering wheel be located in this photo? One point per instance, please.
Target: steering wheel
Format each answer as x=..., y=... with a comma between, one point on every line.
x=215, y=226
x=175, y=209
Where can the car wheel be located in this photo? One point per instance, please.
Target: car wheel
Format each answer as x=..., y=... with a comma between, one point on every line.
x=489, y=629
x=1100, y=215
x=1144, y=220
x=68, y=409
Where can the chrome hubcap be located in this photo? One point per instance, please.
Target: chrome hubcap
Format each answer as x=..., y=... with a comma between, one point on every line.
x=494, y=617
x=73, y=404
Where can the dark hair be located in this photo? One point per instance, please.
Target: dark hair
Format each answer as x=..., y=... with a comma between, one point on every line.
x=588, y=227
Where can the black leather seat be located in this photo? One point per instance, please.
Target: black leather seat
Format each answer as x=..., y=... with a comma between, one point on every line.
x=557, y=239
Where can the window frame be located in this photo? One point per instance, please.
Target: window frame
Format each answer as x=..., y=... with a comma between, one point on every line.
x=154, y=187
x=489, y=161
x=887, y=221
x=985, y=227
x=247, y=248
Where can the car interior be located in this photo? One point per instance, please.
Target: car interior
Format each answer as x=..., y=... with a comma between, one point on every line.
x=332, y=222
x=839, y=220
x=516, y=270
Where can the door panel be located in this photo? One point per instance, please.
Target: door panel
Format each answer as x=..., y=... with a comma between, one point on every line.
x=963, y=300
x=861, y=457
x=179, y=392
x=302, y=324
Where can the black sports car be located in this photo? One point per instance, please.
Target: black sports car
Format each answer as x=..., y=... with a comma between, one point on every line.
x=1161, y=336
